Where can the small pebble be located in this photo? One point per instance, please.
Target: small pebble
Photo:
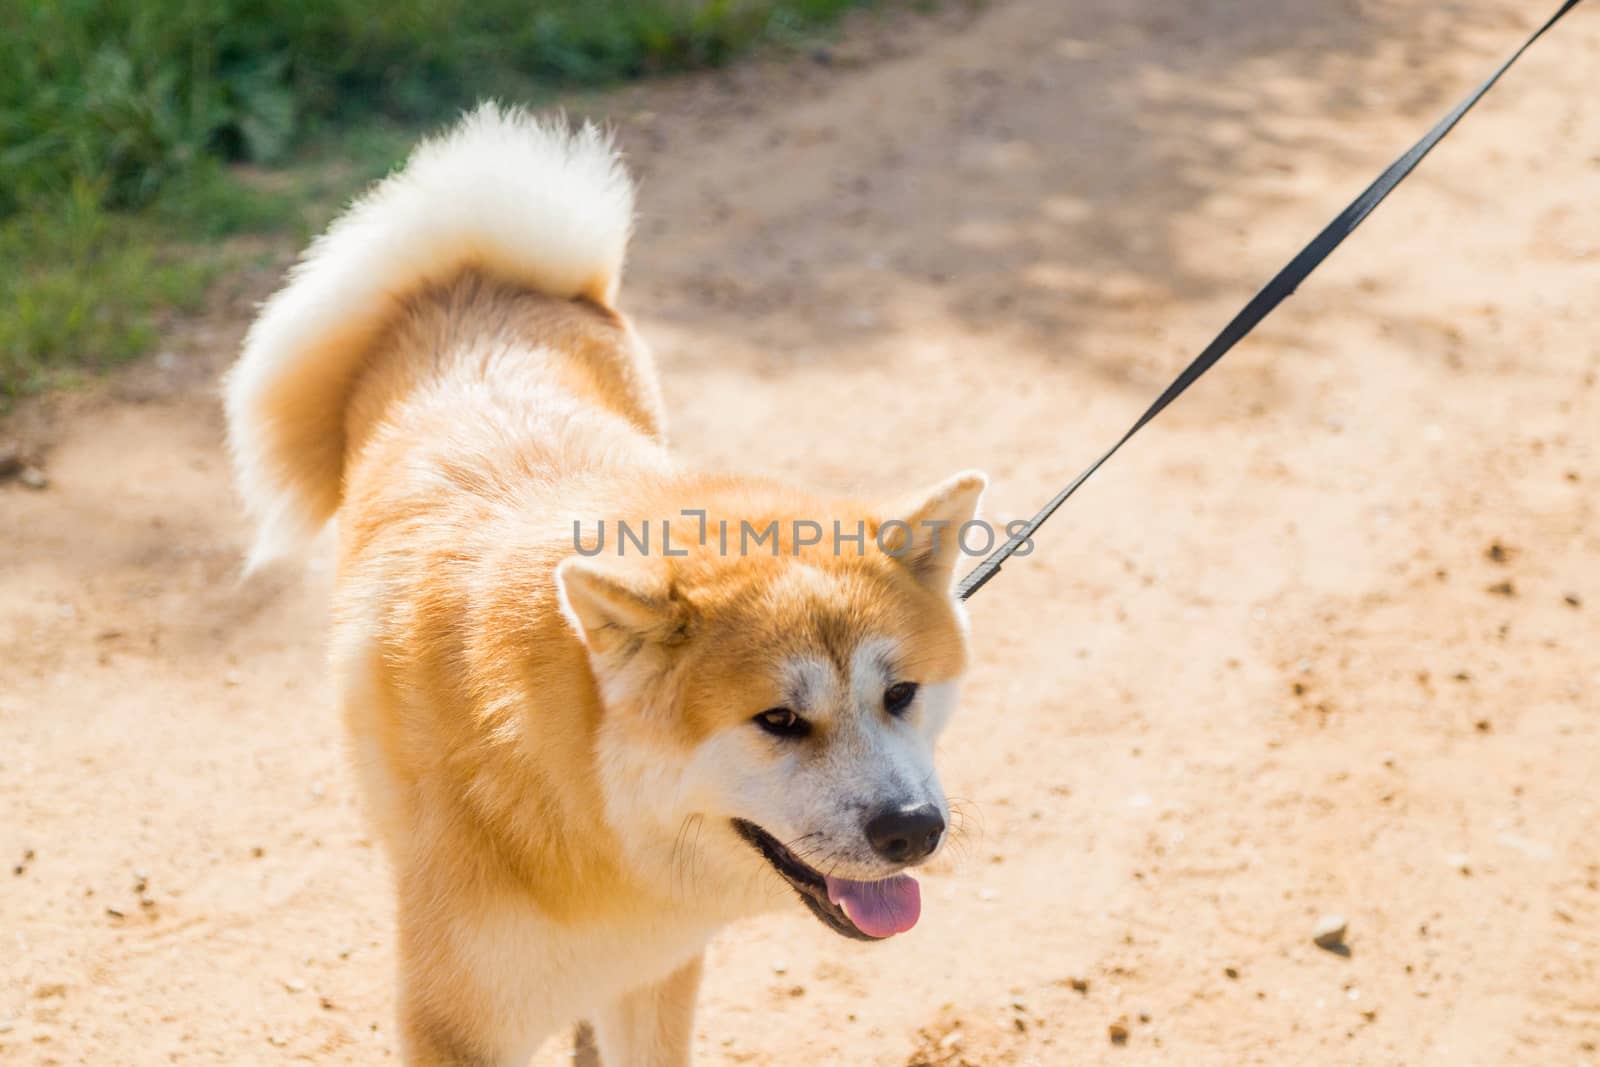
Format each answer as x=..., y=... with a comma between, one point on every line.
x=295, y=985
x=1079, y=985
x=34, y=478
x=1118, y=1031
x=1330, y=931
x=1460, y=861
x=1573, y=600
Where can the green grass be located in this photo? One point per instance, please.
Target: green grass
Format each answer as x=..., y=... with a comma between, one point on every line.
x=123, y=122
x=84, y=286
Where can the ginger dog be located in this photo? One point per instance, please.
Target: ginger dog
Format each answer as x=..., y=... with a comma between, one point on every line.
x=583, y=761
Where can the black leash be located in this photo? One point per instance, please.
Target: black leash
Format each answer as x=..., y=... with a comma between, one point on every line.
x=1283, y=284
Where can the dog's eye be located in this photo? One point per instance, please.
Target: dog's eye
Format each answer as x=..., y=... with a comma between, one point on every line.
x=781, y=722
x=898, y=697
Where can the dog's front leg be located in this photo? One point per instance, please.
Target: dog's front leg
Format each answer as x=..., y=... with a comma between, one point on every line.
x=472, y=993
x=426, y=1048
x=434, y=1035
x=653, y=1025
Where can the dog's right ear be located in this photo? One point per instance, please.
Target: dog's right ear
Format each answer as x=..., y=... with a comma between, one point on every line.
x=615, y=609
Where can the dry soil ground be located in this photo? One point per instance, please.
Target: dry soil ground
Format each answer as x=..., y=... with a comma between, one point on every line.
x=1324, y=640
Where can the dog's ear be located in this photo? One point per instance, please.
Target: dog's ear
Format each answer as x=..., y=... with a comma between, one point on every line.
x=617, y=608
x=924, y=535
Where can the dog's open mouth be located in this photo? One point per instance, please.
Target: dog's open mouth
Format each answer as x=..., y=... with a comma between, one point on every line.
x=866, y=911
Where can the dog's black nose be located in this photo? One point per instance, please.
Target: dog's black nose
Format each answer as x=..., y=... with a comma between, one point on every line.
x=906, y=835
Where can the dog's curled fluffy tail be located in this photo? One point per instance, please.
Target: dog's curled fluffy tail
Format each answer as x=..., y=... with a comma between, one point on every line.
x=524, y=199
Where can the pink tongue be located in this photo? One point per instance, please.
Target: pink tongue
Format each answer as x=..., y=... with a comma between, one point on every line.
x=879, y=909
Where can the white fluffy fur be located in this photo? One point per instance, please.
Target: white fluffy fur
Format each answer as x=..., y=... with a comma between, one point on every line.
x=522, y=198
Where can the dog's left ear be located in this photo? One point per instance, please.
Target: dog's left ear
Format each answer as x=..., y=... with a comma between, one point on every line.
x=618, y=608
x=927, y=538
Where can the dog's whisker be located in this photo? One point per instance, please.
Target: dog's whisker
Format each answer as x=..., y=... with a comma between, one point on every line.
x=699, y=830
x=803, y=837
x=967, y=816
x=676, y=858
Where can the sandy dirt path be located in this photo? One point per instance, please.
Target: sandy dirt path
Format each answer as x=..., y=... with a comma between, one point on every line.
x=1271, y=664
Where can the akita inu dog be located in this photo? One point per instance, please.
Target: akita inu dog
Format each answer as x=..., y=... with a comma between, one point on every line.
x=582, y=765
